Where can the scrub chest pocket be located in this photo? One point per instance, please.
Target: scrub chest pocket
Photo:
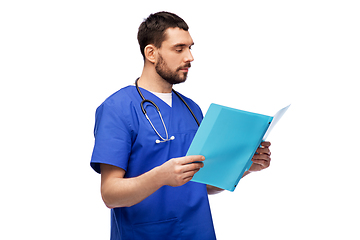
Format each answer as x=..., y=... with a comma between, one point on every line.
x=168, y=229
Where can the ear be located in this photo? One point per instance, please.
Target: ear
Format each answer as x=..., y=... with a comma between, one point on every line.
x=150, y=53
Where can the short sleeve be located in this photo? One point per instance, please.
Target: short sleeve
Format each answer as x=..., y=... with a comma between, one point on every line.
x=112, y=137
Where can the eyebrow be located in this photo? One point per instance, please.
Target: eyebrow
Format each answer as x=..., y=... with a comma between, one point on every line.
x=183, y=45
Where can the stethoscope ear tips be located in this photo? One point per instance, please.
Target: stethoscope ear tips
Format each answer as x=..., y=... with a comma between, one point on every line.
x=172, y=138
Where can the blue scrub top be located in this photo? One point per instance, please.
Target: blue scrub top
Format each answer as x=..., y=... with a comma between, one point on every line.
x=124, y=138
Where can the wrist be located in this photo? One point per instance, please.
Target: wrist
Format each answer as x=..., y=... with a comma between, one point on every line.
x=158, y=177
x=246, y=173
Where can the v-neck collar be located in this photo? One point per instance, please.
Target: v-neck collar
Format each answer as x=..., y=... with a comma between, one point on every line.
x=165, y=97
x=151, y=96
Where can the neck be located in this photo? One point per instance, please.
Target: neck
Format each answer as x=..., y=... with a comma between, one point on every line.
x=151, y=81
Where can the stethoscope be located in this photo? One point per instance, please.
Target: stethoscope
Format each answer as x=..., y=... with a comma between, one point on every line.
x=158, y=110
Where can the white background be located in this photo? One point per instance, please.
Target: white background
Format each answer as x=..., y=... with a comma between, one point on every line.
x=60, y=59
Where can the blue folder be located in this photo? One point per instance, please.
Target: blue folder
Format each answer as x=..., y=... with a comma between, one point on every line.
x=228, y=138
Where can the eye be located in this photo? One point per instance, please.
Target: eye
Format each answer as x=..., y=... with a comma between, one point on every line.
x=179, y=50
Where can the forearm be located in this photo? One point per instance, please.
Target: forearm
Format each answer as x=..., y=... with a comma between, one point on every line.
x=118, y=191
x=215, y=190
x=211, y=190
x=126, y=192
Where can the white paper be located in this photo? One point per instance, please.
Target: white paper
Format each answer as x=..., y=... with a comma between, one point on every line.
x=276, y=118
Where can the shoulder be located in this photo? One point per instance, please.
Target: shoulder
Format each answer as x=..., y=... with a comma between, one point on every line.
x=119, y=106
x=120, y=96
x=118, y=100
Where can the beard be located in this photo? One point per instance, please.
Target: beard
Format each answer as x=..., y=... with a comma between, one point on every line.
x=172, y=77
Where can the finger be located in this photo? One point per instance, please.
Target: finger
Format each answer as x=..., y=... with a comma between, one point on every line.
x=265, y=144
x=189, y=175
x=263, y=163
x=187, y=179
x=192, y=159
x=264, y=151
x=192, y=167
x=261, y=157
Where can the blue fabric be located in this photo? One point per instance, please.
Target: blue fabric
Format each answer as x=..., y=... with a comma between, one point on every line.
x=124, y=138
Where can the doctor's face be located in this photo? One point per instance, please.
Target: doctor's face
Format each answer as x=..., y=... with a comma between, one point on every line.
x=174, y=56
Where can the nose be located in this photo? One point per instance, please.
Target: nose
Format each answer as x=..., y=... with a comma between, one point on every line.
x=188, y=57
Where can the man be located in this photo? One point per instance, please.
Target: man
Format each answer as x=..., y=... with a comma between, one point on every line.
x=145, y=174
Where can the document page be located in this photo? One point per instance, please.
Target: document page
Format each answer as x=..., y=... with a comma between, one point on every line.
x=275, y=120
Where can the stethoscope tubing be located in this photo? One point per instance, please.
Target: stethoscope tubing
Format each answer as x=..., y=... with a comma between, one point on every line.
x=158, y=110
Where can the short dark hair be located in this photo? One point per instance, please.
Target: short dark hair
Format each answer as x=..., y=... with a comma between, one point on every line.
x=152, y=29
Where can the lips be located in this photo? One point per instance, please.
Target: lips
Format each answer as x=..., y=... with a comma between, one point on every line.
x=185, y=68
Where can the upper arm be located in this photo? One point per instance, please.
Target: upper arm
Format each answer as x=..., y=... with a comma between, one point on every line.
x=109, y=173
x=213, y=190
x=113, y=138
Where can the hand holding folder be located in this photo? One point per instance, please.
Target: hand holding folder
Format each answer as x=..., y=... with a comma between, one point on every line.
x=261, y=159
x=228, y=138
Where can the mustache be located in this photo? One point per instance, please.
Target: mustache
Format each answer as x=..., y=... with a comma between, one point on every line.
x=188, y=65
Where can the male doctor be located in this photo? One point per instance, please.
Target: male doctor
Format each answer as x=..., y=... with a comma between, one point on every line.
x=146, y=183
